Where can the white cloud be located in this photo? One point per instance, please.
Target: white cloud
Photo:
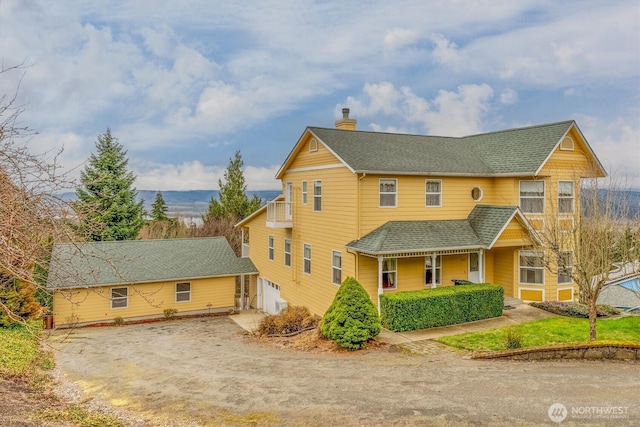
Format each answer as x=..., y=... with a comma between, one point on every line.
x=508, y=96
x=448, y=114
x=445, y=51
x=195, y=175
x=398, y=38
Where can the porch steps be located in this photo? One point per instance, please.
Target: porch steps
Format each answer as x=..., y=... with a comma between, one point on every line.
x=511, y=302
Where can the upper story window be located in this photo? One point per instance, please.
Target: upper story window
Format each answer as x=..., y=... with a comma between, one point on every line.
x=433, y=189
x=336, y=267
x=313, y=145
x=304, y=192
x=271, y=248
x=317, y=196
x=531, y=267
x=532, y=196
x=183, y=292
x=476, y=194
x=389, y=268
x=306, y=256
x=567, y=144
x=565, y=197
x=287, y=252
x=119, y=297
x=388, y=193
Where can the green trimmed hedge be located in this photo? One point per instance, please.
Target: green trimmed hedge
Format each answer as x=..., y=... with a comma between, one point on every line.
x=450, y=305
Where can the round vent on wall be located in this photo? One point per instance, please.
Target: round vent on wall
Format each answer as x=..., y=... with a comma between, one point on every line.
x=476, y=193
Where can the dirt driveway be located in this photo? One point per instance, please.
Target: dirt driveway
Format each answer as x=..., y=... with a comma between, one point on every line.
x=205, y=372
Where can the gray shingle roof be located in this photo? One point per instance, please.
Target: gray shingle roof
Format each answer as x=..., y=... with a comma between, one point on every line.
x=478, y=231
x=137, y=261
x=509, y=152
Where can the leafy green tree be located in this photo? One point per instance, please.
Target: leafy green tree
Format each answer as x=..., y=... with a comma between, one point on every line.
x=159, y=209
x=352, y=319
x=106, y=204
x=233, y=202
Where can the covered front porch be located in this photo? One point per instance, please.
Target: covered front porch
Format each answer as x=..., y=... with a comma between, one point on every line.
x=414, y=255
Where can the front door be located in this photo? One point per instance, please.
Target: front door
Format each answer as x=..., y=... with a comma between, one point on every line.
x=474, y=267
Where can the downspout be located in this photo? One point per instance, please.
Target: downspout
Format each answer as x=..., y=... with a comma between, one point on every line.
x=380, y=291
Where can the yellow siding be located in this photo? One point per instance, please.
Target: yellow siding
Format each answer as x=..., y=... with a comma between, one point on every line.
x=306, y=158
x=530, y=295
x=514, y=234
x=565, y=294
x=503, y=267
x=411, y=199
x=145, y=300
x=454, y=267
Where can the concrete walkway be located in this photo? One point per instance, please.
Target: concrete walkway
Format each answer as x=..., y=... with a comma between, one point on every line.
x=515, y=312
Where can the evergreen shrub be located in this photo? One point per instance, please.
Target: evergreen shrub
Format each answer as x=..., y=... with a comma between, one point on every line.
x=352, y=319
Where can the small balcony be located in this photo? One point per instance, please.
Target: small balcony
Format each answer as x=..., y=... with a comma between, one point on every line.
x=279, y=214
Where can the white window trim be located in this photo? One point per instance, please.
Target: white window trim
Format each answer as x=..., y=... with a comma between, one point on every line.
x=480, y=195
x=334, y=268
x=570, y=270
x=520, y=267
x=395, y=193
x=394, y=271
x=544, y=196
x=305, y=259
x=305, y=192
x=573, y=198
x=111, y=298
x=287, y=253
x=183, y=292
x=271, y=250
x=317, y=196
x=313, y=145
x=566, y=218
x=427, y=193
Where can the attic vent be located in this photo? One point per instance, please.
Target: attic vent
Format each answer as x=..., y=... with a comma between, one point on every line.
x=567, y=144
x=313, y=145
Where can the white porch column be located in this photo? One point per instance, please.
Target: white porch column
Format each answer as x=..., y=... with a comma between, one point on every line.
x=380, y=291
x=481, y=266
x=242, y=307
x=433, y=271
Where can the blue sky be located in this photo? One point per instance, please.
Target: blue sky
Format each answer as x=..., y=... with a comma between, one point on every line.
x=184, y=84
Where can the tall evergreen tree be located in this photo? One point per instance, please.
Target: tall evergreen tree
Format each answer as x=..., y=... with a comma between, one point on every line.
x=106, y=203
x=233, y=202
x=159, y=209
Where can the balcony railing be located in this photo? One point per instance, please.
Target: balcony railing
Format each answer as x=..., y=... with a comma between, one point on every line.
x=279, y=214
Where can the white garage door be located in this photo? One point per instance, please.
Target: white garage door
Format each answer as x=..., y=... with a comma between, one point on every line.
x=269, y=296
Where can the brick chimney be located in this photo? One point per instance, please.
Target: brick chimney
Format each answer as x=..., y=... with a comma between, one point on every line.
x=345, y=123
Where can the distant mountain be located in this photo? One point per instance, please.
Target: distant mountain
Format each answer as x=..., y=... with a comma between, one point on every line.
x=191, y=204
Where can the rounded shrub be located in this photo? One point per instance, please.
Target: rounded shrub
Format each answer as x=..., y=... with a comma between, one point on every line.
x=352, y=319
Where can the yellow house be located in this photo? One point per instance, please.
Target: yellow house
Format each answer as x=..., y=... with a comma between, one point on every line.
x=98, y=282
x=404, y=212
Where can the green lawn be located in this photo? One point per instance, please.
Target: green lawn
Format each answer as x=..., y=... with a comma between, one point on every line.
x=553, y=330
x=20, y=351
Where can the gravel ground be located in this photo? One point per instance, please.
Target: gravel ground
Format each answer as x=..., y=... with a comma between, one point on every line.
x=206, y=372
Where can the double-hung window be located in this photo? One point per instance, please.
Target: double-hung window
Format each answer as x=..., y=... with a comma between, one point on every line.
x=531, y=267
x=119, y=297
x=183, y=292
x=304, y=192
x=388, y=193
x=317, y=196
x=336, y=267
x=389, y=268
x=532, y=196
x=565, y=197
x=306, y=257
x=565, y=267
x=271, y=248
x=287, y=252
x=433, y=190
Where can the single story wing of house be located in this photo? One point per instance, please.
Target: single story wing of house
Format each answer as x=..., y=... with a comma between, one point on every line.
x=96, y=282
